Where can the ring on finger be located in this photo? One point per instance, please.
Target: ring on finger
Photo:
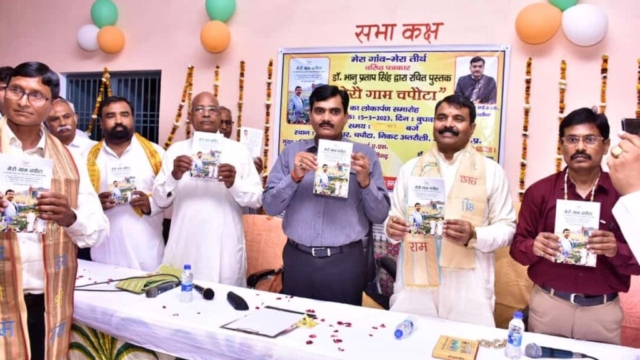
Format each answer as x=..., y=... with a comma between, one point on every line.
x=616, y=151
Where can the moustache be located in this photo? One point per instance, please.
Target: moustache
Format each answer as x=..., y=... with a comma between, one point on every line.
x=449, y=130
x=580, y=153
x=327, y=123
x=64, y=127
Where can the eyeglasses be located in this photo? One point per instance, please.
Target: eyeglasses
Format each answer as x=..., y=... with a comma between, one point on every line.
x=35, y=98
x=226, y=122
x=211, y=110
x=3, y=87
x=573, y=140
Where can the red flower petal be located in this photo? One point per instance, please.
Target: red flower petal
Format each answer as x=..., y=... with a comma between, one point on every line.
x=309, y=342
x=164, y=307
x=313, y=336
x=340, y=323
x=335, y=331
x=374, y=327
x=330, y=325
x=257, y=307
x=382, y=326
x=337, y=341
x=278, y=298
x=334, y=335
x=340, y=349
x=370, y=334
x=347, y=324
x=322, y=320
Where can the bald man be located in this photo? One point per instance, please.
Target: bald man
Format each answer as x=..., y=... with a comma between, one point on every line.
x=63, y=123
x=208, y=206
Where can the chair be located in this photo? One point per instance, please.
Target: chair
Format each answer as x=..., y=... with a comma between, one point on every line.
x=265, y=241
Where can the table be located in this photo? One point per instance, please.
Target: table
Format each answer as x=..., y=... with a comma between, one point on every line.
x=192, y=330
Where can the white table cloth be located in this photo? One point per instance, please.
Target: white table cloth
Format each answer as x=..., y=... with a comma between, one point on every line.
x=192, y=330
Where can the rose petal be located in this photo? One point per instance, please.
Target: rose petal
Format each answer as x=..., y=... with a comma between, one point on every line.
x=370, y=334
x=164, y=307
x=340, y=349
x=340, y=323
x=337, y=341
x=374, y=327
x=257, y=307
x=322, y=320
x=335, y=331
x=330, y=325
x=278, y=298
x=382, y=326
x=309, y=342
x=334, y=335
x=313, y=336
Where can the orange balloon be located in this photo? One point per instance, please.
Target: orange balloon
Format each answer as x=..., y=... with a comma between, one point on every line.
x=537, y=23
x=215, y=36
x=111, y=39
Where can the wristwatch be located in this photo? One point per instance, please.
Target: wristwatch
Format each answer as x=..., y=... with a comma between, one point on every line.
x=473, y=240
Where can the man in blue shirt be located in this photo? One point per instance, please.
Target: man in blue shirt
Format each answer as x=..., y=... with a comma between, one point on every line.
x=324, y=258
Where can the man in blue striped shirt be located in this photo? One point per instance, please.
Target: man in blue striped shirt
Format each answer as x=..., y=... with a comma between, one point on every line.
x=324, y=258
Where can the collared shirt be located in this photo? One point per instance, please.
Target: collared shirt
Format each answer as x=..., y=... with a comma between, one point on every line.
x=538, y=214
x=90, y=229
x=81, y=145
x=317, y=220
x=134, y=242
x=627, y=213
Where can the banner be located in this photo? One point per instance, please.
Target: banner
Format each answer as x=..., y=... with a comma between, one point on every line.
x=393, y=93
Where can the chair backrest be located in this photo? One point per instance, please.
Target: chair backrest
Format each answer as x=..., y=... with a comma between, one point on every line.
x=265, y=241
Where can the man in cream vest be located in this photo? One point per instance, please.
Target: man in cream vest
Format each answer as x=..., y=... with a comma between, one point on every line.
x=451, y=276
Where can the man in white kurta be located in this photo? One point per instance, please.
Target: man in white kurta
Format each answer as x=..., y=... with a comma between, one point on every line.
x=465, y=295
x=63, y=122
x=206, y=226
x=135, y=239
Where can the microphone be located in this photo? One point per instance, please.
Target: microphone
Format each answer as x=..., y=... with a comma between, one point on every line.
x=535, y=351
x=157, y=290
x=207, y=293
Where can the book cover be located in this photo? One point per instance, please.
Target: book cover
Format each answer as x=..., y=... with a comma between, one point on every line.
x=575, y=220
x=334, y=166
x=21, y=180
x=121, y=184
x=425, y=205
x=206, y=152
x=252, y=139
x=452, y=348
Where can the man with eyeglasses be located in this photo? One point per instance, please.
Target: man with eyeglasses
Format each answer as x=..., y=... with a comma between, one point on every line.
x=206, y=226
x=5, y=74
x=572, y=300
x=135, y=239
x=63, y=124
x=45, y=263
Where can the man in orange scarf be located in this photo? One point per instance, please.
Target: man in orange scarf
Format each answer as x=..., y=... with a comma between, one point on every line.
x=38, y=271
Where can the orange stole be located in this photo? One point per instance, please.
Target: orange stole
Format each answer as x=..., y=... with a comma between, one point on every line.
x=60, y=268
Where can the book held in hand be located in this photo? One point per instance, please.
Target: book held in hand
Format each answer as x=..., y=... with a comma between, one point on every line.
x=334, y=166
x=206, y=152
x=425, y=205
x=575, y=220
x=252, y=139
x=21, y=180
x=121, y=184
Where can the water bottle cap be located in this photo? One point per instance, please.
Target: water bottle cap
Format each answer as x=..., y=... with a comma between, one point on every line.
x=517, y=315
x=187, y=267
x=398, y=334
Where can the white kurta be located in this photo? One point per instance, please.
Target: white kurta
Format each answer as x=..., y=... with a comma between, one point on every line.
x=206, y=225
x=81, y=145
x=134, y=242
x=464, y=295
x=627, y=214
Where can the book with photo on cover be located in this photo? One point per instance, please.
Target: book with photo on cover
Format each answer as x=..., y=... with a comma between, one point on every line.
x=449, y=347
x=206, y=152
x=425, y=205
x=21, y=180
x=121, y=184
x=252, y=139
x=334, y=166
x=575, y=220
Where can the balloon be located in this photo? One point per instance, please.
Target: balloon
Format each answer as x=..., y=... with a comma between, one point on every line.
x=87, y=37
x=585, y=24
x=563, y=4
x=215, y=36
x=104, y=13
x=538, y=22
x=220, y=10
x=111, y=39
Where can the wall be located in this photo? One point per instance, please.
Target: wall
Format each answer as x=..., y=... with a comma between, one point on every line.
x=165, y=35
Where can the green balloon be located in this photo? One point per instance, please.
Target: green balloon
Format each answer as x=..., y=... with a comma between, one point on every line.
x=104, y=13
x=563, y=4
x=220, y=10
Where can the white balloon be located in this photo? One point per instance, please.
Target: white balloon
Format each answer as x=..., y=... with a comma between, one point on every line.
x=87, y=37
x=585, y=24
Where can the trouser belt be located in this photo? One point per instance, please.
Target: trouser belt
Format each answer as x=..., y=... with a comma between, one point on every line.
x=325, y=251
x=581, y=299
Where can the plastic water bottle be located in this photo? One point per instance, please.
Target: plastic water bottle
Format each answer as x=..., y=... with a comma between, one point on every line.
x=514, y=339
x=405, y=328
x=186, y=294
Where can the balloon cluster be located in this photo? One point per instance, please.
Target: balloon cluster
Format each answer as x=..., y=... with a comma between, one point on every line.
x=102, y=34
x=214, y=35
x=582, y=24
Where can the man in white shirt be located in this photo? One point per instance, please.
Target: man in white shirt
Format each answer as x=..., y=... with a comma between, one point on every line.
x=5, y=74
x=63, y=124
x=135, y=239
x=212, y=207
x=624, y=170
x=465, y=291
x=74, y=218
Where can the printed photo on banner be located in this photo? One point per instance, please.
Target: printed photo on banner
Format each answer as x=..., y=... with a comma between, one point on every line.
x=206, y=153
x=575, y=220
x=334, y=168
x=121, y=184
x=21, y=180
x=305, y=74
x=476, y=78
x=393, y=92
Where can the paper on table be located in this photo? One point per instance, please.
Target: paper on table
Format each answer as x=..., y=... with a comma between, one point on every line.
x=267, y=321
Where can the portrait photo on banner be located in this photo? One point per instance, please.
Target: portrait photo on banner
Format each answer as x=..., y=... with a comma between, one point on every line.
x=305, y=74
